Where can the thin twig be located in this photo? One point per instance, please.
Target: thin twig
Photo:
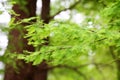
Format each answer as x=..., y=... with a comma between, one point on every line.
x=111, y=48
x=76, y=69
x=100, y=71
x=71, y=7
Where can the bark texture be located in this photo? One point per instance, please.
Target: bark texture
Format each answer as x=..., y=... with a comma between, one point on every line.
x=40, y=70
x=17, y=44
x=45, y=13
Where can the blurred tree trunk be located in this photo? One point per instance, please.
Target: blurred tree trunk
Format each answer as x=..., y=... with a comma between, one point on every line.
x=40, y=70
x=17, y=44
x=118, y=69
x=118, y=64
x=117, y=61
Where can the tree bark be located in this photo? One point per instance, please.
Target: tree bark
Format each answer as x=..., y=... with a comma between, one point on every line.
x=118, y=69
x=40, y=71
x=17, y=44
x=45, y=13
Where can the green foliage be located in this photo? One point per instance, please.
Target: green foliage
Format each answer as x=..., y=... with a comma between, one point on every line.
x=112, y=14
x=21, y=3
x=1, y=12
x=66, y=40
x=72, y=45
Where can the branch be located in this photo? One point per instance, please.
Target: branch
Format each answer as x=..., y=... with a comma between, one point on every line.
x=80, y=73
x=76, y=69
x=59, y=48
x=66, y=66
x=101, y=39
x=100, y=71
x=71, y=7
x=111, y=48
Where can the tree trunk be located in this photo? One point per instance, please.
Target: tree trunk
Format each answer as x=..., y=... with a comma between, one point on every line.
x=40, y=71
x=118, y=65
x=117, y=61
x=17, y=44
x=45, y=13
x=118, y=69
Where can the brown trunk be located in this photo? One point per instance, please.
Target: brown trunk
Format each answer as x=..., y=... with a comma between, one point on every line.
x=40, y=71
x=17, y=44
x=45, y=13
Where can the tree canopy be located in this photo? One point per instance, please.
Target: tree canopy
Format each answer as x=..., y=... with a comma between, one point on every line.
x=88, y=50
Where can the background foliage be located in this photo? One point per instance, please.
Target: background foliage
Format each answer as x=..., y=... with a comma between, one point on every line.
x=85, y=51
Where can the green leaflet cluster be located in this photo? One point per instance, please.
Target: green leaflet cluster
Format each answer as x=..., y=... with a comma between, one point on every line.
x=111, y=13
x=67, y=41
